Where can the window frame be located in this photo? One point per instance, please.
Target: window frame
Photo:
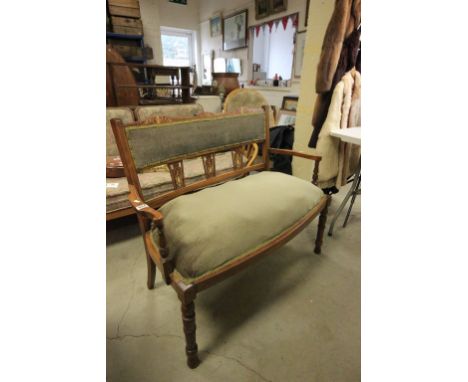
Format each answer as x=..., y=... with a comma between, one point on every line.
x=170, y=31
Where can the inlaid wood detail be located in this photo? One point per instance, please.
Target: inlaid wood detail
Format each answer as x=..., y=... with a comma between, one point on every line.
x=209, y=164
x=237, y=157
x=177, y=174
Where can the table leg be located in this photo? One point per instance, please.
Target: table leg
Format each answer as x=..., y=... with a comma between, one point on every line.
x=355, y=193
x=352, y=192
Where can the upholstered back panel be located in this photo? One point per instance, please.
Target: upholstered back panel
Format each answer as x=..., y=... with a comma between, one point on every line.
x=246, y=99
x=142, y=113
x=156, y=144
x=123, y=113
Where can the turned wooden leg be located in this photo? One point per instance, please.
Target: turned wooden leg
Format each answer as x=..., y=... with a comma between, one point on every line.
x=321, y=228
x=191, y=348
x=151, y=272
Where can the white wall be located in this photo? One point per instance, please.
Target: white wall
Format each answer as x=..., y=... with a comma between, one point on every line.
x=208, y=8
x=320, y=12
x=149, y=10
x=157, y=13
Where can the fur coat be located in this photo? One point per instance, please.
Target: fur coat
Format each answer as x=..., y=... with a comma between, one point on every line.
x=339, y=160
x=340, y=49
x=345, y=19
x=348, y=156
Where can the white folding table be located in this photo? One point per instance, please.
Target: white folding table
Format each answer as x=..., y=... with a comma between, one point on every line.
x=351, y=135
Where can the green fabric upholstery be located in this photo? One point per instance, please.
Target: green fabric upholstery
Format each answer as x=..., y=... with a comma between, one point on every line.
x=209, y=228
x=185, y=110
x=158, y=143
x=123, y=113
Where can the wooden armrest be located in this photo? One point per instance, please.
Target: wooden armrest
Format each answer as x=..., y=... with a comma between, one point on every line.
x=295, y=153
x=316, y=158
x=144, y=209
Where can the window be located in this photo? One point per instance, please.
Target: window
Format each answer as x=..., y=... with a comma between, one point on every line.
x=273, y=51
x=177, y=47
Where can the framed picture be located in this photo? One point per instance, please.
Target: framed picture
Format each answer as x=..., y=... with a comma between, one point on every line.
x=233, y=65
x=262, y=9
x=286, y=117
x=215, y=26
x=278, y=6
x=235, y=31
x=298, y=53
x=290, y=103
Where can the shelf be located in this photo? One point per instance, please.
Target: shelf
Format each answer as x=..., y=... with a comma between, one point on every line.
x=124, y=36
x=137, y=59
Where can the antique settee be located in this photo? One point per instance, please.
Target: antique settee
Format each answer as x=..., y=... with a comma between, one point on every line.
x=203, y=231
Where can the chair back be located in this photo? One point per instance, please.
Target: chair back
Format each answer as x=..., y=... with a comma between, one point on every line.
x=241, y=100
x=143, y=146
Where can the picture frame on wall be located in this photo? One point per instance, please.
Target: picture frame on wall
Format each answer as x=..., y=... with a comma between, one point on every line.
x=290, y=103
x=235, y=30
x=286, y=117
x=299, y=46
x=278, y=6
x=262, y=9
x=216, y=26
x=233, y=65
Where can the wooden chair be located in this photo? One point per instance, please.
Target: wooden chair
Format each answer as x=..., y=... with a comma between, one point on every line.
x=202, y=232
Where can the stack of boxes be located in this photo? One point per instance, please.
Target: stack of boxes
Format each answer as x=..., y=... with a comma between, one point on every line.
x=125, y=17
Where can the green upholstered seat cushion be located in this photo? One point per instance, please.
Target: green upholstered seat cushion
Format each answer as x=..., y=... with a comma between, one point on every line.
x=207, y=229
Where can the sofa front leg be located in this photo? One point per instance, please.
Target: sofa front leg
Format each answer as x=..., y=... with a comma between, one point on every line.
x=321, y=227
x=191, y=348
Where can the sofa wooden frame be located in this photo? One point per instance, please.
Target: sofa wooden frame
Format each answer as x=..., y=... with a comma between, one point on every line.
x=150, y=219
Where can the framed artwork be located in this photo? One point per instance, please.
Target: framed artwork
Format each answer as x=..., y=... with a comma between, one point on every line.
x=286, y=117
x=278, y=5
x=215, y=26
x=235, y=31
x=298, y=53
x=262, y=9
x=233, y=65
x=290, y=103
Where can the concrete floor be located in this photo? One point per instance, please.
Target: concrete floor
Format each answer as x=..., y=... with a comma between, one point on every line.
x=293, y=316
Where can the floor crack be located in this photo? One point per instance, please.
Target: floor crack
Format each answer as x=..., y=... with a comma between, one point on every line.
x=238, y=362
x=144, y=335
x=130, y=299
x=200, y=351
